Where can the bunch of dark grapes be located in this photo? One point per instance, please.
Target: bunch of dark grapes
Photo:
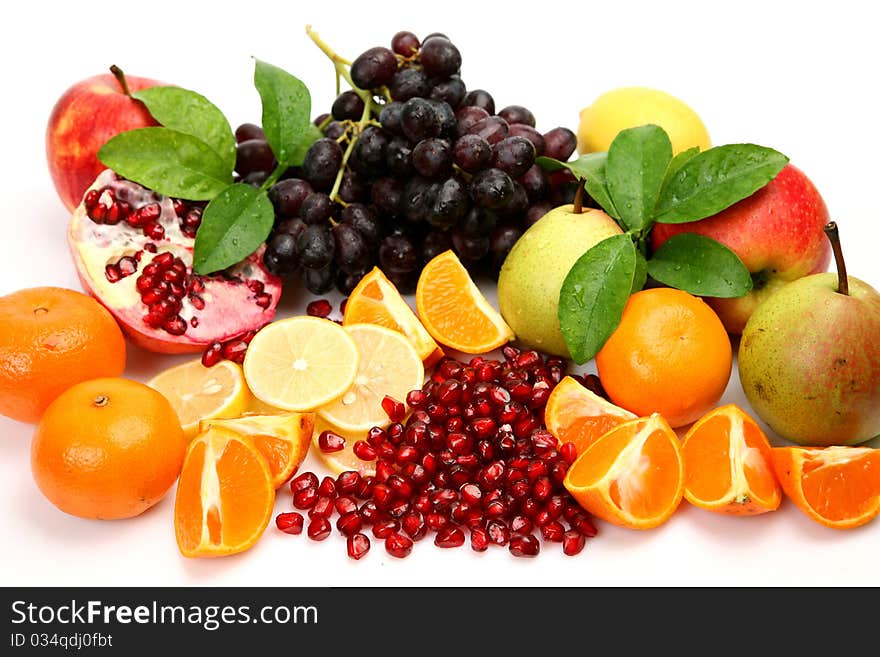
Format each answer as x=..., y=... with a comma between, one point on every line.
x=431, y=166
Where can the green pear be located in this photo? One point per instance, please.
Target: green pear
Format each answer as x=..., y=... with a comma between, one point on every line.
x=809, y=358
x=533, y=272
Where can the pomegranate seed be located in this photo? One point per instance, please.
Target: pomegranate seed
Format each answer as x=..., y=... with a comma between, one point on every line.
x=349, y=523
x=323, y=507
x=498, y=532
x=376, y=436
x=172, y=276
x=112, y=273
x=398, y=545
x=394, y=409
x=400, y=486
x=568, y=451
x=553, y=531
x=263, y=300
x=303, y=481
x=384, y=469
x=558, y=471
x=144, y=283
x=416, y=398
x=406, y=454
x=542, y=488
x=369, y=512
x=306, y=498
x=344, y=504
x=479, y=539
x=234, y=350
x=175, y=326
x=364, y=451
x=127, y=265
x=357, y=545
x=328, y=487
x=154, y=231
x=573, y=542
x=584, y=525
x=319, y=528
x=330, y=442
x=471, y=493
x=492, y=474
x=460, y=443
x=90, y=200
x=519, y=524
x=524, y=546
x=449, y=536
x=366, y=487
x=384, y=528
x=212, y=355
x=197, y=302
x=347, y=482
x=413, y=523
x=317, y=308
x=496, y=509
x=290, y=523
x=436, y=521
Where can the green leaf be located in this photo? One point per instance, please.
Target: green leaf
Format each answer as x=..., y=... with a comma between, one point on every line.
x=287, y=107
x=593, y=295
x=679, y=161
x=637, y=163
x=192, y=114
x=234, y=225
x=310, y=136
x=700, y=265
x=591, y=169
x=170, y=162
x=716, y=179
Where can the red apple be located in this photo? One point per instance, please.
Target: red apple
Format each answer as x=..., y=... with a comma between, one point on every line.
x=778, y=234
x=84, y=118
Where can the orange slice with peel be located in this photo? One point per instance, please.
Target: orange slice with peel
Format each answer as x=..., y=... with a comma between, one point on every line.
x=838, y=487
x=727, y=464
x=454, y=311
x=376, y=300
x=577, y=415
x=282, y=438
x=633, y=476
x=225, y=495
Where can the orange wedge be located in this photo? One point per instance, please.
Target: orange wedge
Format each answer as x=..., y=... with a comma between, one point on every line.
x=577, y=415
x=376, y=300
x=344, y=459
x=633, y=476
x=454, y=311
x=727, y=464
x=838, y=487
x=225, y=495
x=282, y=438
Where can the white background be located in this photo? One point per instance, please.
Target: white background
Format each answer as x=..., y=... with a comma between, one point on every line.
x=799, y=76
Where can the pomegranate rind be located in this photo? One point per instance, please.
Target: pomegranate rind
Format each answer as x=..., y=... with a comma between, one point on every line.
x=229, y=310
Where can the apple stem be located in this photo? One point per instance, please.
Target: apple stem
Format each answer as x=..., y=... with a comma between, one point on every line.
x=834, y=237
x=120, y=77
x=579, y=198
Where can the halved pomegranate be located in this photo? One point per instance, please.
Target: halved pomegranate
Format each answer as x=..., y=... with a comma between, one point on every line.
x=133, y=250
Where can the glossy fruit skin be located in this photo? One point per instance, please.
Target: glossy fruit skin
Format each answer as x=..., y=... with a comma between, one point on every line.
x=776, y=232
x=107, y=449
x=809, y=361
x=83, y=119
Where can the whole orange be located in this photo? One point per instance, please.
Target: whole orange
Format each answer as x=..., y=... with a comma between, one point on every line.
x=669, y=355
x=107, y=448
x=51, y=338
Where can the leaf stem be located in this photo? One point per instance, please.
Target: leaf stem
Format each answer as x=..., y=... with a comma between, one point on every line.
x=274, y=176
x=834, y=237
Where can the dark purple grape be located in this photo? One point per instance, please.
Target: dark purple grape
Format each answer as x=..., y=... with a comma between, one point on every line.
x=287, y=195
x=469, y=247
x=419, y=120
x=321, y=163
x=534, y=181
x=472, y=153
x=563, y=194
x=448, y=123
x=352, y=252
x=478, y=222
x=347, y=282
x=321, y=280
x=404, y=282
x=516, y=205
x=386, y=195
x=293, y=226
x=368, y=155
x=256, y=178
x=449, y=205
x=389, y=117
x=513, y=155
x=432, y=158
x=314, y=246
x=409, y=83
x=559, y=143
x=418, y=196
x=364, y=220
x=468, y=117
x=536, y=212
x=491, y=189
x=493, y=129
x=316, y=208
x=451, y=90
x=280, y=256
x=334, y=130
x=373, y=68
x=527, y=131
x=353, y=188
x=247, y=131
x=479, y=98
x=348, y=106
x=435, y=243
x=517, y=114
x=398, y=254
x=439, y=57
x=501, y=242
x=398, y=157
x=405, y=43
x=252, y=156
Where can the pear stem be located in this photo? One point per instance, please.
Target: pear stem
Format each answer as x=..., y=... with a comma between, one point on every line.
x=834, y=237
x=120, y=76
x=579, y=198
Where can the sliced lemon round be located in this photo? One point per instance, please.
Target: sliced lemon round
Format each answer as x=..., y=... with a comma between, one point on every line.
x=197, y=392
x=389, y=365
x=300, y=363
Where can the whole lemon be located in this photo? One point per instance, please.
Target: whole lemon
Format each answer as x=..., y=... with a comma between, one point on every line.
x=629, y=107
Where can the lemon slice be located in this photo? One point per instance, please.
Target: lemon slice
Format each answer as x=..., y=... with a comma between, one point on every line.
x=197, y=392
x=389, y=365
x=282, y=438
x=300, y=363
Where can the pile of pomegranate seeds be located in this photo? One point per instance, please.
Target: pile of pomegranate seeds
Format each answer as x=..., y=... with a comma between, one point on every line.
x=473, y=462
